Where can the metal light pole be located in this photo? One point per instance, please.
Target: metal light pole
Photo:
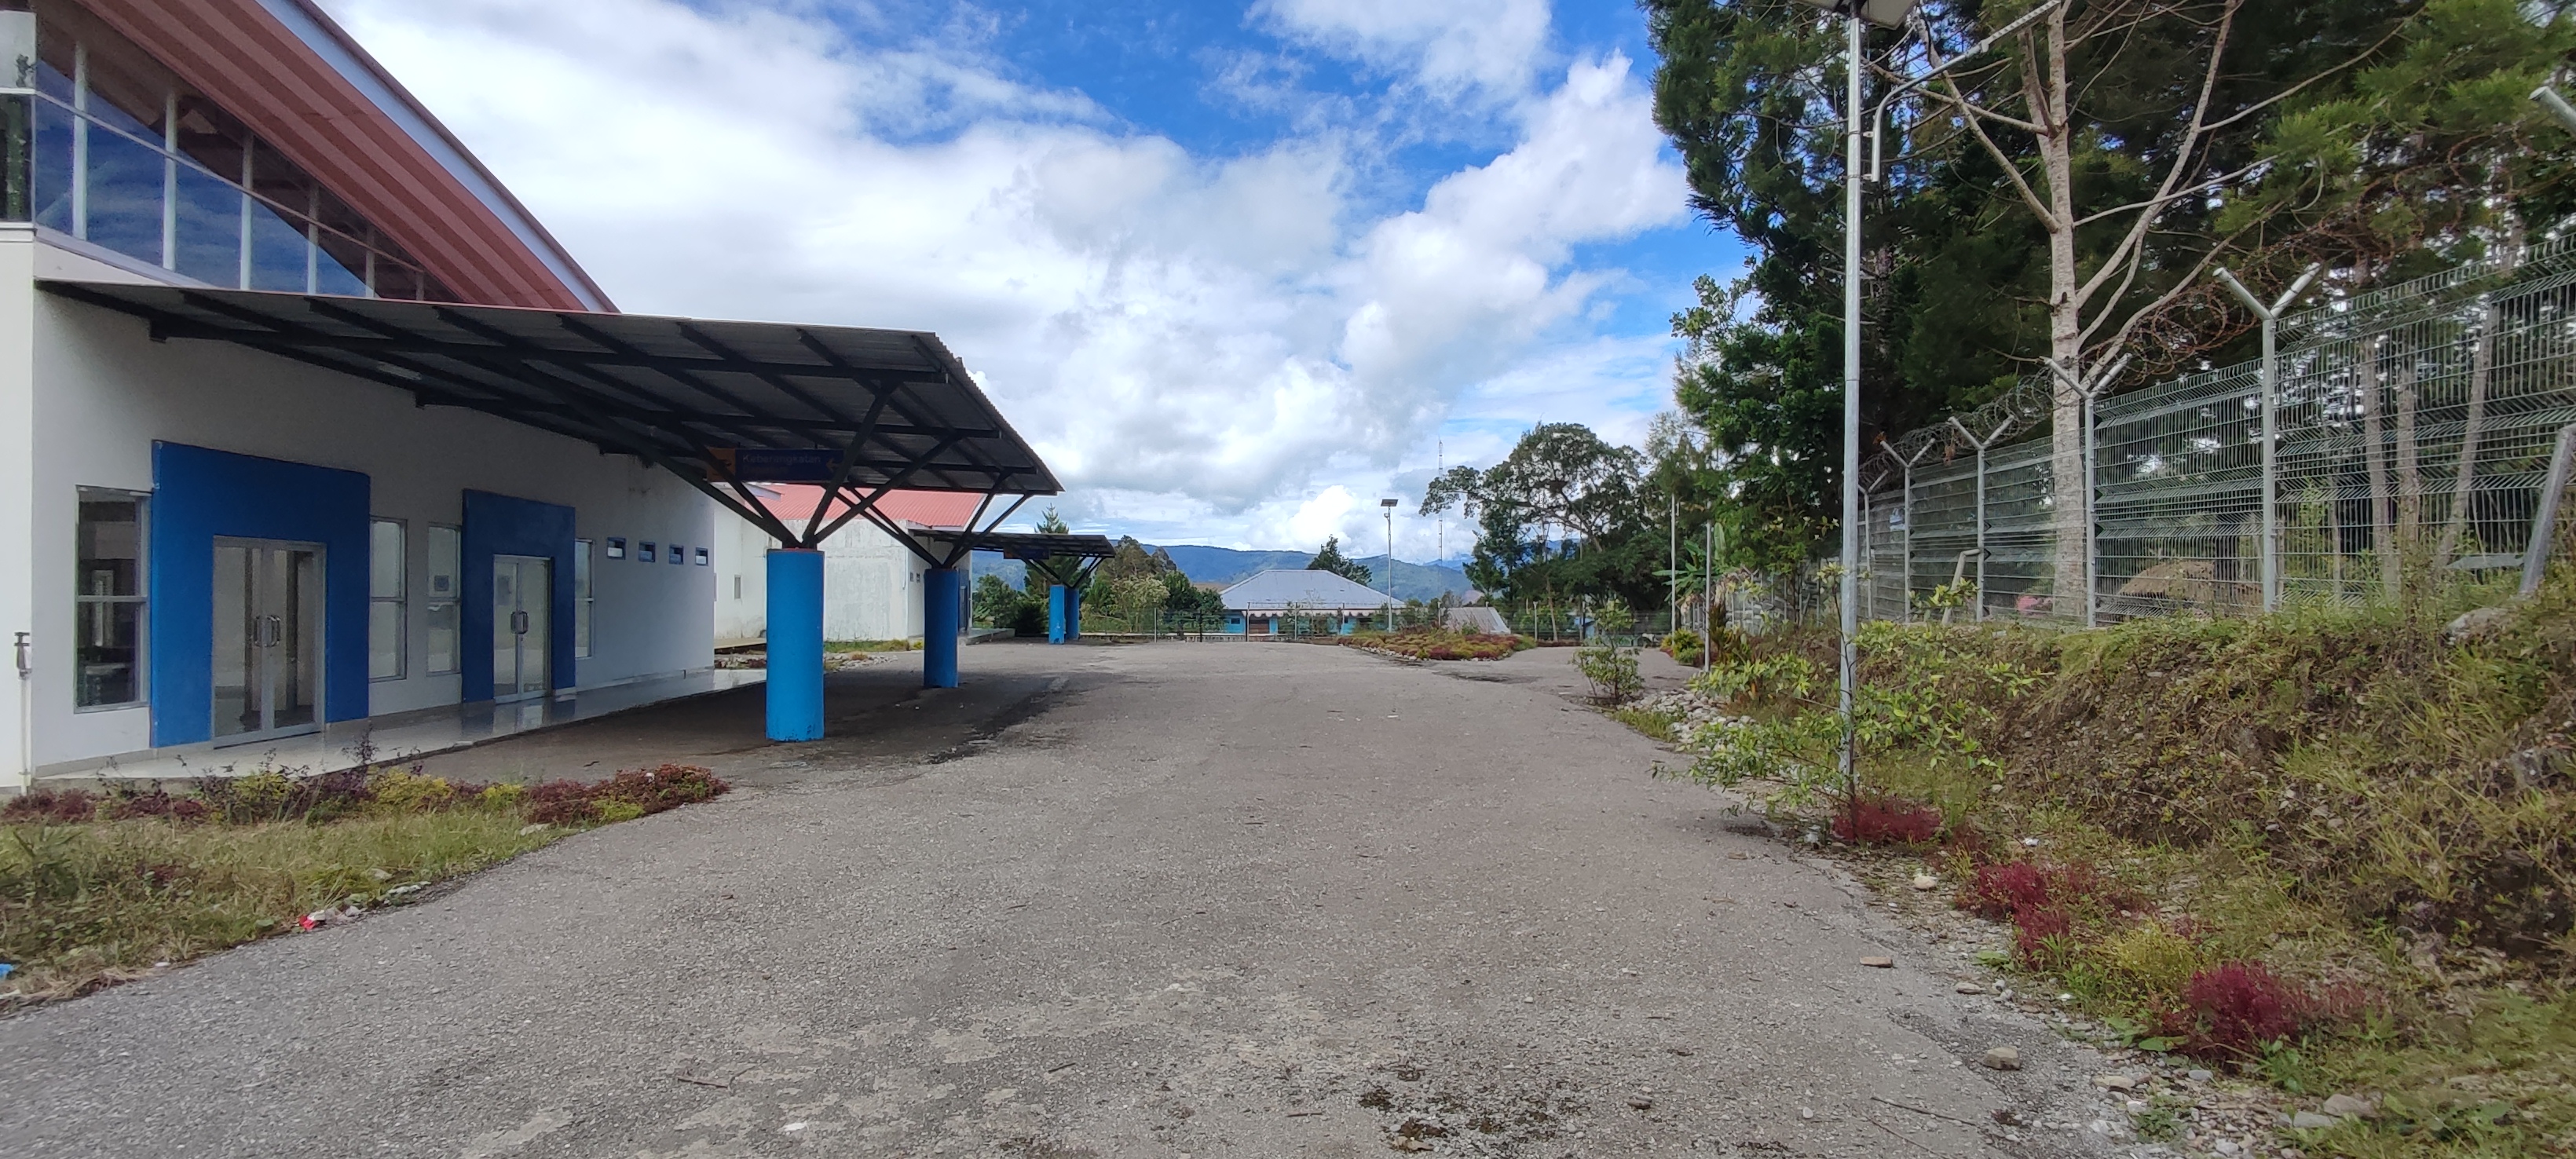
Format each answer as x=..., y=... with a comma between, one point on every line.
x=2557, y=106
x=2271, y=316
x=1890, y=13
x=1388, y=506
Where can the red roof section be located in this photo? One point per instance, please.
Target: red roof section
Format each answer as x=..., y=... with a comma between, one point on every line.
x=260, y=70
x=917, y=508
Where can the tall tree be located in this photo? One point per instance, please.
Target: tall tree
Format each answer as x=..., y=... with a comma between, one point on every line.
x=1332, y=560
x=1561, y=484
x=2070, y=181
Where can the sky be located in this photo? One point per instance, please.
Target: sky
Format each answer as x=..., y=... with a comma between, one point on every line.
x=1236, y=268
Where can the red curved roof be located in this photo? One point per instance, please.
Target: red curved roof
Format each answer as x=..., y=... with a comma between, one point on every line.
x=381, y=151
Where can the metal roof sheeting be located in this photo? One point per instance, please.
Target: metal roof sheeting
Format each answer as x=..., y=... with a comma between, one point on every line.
x=1314, y=591
x=665, y=389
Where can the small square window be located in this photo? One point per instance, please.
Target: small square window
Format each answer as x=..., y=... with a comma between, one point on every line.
x=644, y=551
x=616, y=548
x=702, y=557
x=679, y=556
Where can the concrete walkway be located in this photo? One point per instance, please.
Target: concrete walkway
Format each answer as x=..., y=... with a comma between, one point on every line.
x=1157, y=900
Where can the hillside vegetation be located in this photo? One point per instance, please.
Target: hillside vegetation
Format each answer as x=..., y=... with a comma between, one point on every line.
x=2333, y=849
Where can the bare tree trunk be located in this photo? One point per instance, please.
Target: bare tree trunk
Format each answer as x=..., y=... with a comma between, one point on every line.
x=2048, y=99
x=2367, y=377
x=2464, y=475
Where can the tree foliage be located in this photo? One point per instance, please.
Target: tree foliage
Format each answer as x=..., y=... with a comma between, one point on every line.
x=2063, y=197
x=1331, y=559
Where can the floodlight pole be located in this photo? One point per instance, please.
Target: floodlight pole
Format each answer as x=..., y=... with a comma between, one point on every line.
x=1388, y=506
x=2271, y=316
x=2557, y=106
x=1849, y=674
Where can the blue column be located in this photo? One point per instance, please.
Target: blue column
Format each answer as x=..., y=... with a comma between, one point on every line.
x=795, y=645
x=943, y=601
x=1059, y=614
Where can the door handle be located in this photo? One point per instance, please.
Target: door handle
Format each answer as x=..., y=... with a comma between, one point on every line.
x=519, y=623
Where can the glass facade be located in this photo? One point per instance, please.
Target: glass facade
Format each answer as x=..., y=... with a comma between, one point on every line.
x=104, y=145
x=17, y=107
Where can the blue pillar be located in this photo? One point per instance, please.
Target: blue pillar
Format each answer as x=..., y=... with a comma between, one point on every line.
x=795, y=645
x=943, y=601
x=1059, y=614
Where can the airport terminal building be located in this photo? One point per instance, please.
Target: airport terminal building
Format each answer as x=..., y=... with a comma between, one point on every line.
x=308, y=428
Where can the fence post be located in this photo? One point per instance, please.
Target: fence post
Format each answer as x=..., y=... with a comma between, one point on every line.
x=1905, y=574
x=2544, y=517
x=2271, y=316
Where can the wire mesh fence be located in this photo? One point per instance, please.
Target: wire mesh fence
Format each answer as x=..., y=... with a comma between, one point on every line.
x=2413, y=429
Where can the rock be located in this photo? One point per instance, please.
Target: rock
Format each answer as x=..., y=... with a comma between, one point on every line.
x=530, y=830
x=1641, y=1104
x=1879, y=963
x=1409, y=1143
x=2311, y=1121
x=2115, y=1082
x=2228, y=1147
x=2349, y=1106
x=2199, y=1076
x=2005, y=1117
x=2477, y=623
x=2002, y=1058
x=1969, y=988
x=1925, y=881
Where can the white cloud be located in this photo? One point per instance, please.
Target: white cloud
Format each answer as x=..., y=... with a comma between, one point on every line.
x=1450, y=46
x=1215, y=343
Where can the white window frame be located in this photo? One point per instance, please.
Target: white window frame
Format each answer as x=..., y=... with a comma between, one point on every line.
x=401, y=599
x=142, y=598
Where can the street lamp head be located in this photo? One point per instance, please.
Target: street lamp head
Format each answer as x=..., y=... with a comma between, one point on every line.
x=1884, y=13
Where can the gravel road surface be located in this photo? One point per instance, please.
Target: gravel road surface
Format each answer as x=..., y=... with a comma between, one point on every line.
x=1158, y=900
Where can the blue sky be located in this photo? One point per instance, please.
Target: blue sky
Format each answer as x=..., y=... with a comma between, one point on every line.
x=1238, y=269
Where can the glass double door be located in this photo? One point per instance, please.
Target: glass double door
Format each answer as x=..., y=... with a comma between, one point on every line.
x=268, y=638
x=522, y=595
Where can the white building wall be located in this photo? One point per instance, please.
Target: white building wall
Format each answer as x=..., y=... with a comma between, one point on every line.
x=17, y=491
x=741, y=579
x=872, y=586
x=104, y=392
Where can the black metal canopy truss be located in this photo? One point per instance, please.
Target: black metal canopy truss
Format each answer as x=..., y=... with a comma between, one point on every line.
x=896, y=408
x=1066, y=559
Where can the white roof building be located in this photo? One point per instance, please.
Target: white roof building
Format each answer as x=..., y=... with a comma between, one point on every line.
x=1307, y=592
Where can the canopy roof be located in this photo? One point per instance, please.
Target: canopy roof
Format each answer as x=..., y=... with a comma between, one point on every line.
x=1035, y=545
x=669, y=390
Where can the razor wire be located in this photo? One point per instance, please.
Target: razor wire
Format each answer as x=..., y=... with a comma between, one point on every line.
x=2416, y=425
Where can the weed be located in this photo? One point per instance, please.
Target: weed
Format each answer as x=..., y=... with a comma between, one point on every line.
x=1876, y=819
x=57, y=805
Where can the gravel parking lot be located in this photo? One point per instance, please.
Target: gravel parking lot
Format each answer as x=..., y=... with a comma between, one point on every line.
x=1154, y=900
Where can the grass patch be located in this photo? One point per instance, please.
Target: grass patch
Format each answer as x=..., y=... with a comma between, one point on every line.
x=870, y=646
x=95, y=889
x=1439, y=644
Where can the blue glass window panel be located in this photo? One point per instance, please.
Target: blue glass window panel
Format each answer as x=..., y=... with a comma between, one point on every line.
x=107, y=112
x=53, y=165
x=209, y=228
x=276, y=249
x=51, y=82
x=341, y=267
x=125, y=195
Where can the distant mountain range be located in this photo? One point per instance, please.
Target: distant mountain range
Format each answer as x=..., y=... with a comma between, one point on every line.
x=1223, y=566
